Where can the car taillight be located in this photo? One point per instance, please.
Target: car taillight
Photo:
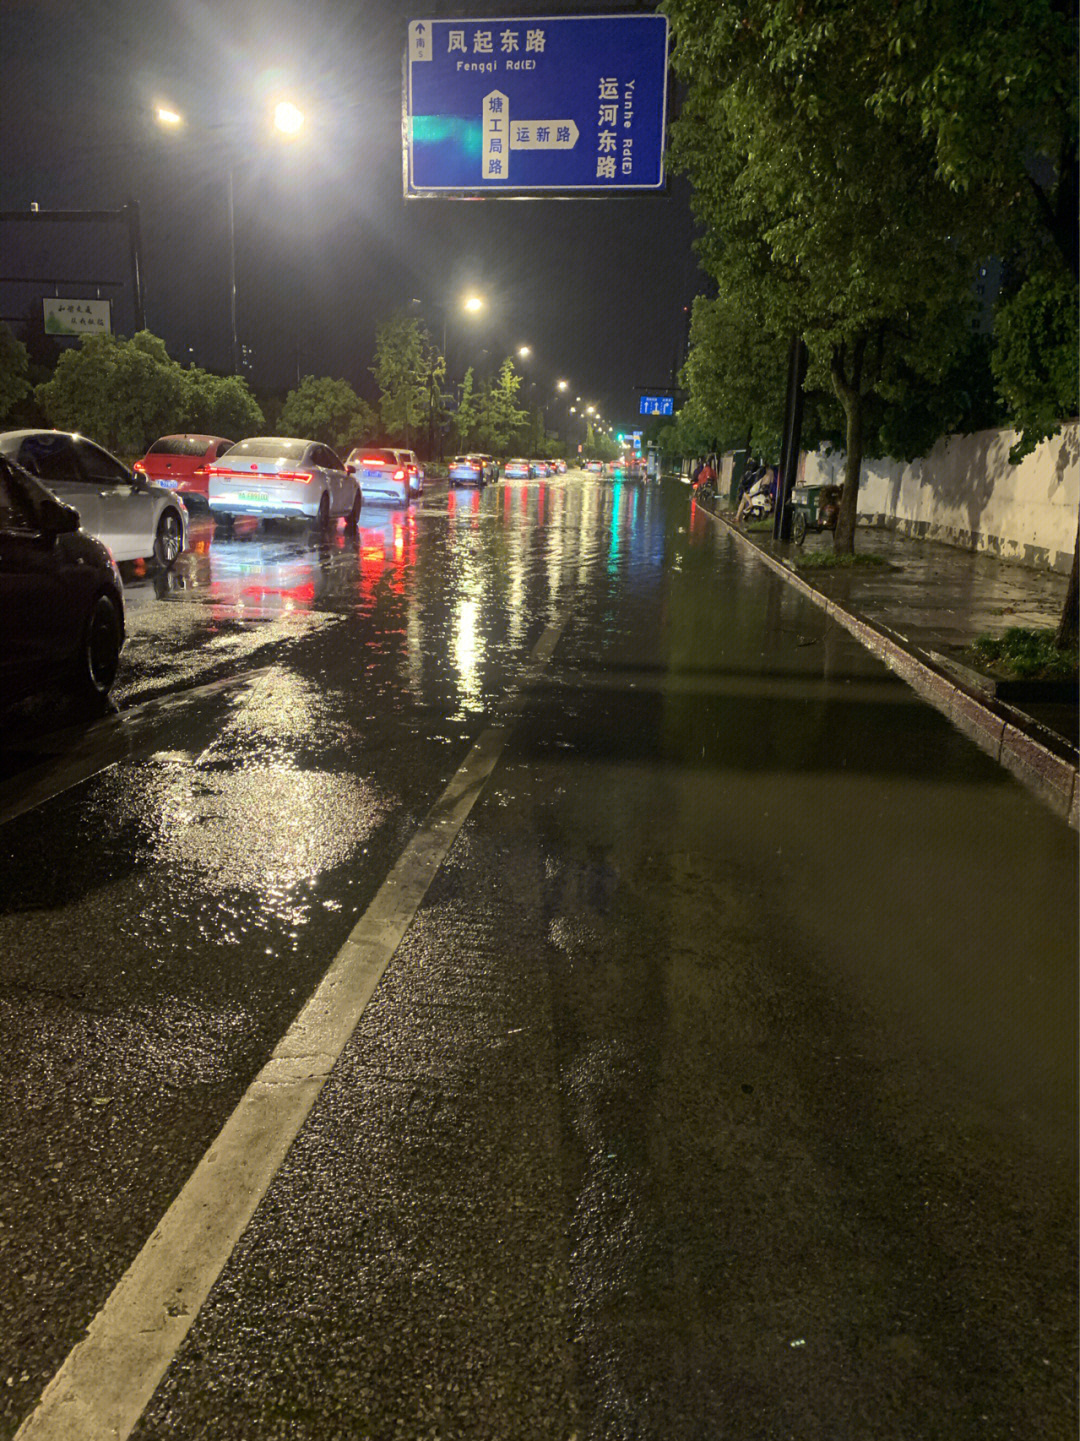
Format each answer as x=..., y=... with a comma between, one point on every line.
x=304, y=475
x=201, y=470
x=373, y=460
x=139, y=467
x=399, y=475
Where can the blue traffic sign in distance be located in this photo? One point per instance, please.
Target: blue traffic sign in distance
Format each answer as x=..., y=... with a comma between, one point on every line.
x=657, y=405
x=522, y=106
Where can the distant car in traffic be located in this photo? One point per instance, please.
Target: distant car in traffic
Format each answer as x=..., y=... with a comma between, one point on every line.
x=594, y=467
x=133, y=517
x=381, y=473
x=282, y=477
x=516, y=469
x=61, y=596
x=538, y=468
x=491, y=468
x=468, y=470
x=181, y=463
x=414, y=469
x=560, y=467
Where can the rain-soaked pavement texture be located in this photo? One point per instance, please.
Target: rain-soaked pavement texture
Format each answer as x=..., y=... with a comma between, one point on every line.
x=723, y=1087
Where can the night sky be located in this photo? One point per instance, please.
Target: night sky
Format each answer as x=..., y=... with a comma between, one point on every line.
x=327, y=246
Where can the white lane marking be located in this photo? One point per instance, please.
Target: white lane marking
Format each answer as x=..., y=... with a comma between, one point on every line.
x=108, y=1378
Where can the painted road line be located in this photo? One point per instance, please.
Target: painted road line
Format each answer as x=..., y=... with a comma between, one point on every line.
x=101, y=745
x=107, y=1379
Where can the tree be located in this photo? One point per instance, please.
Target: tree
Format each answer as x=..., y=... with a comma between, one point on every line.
x=464, y=419
x=736, y=377
x=408, y=370
x=329, y=411
x=220, y=405
x=500, y=416
x=14, y=371
x=998, y=100
x=122, y=393
x=822, y=217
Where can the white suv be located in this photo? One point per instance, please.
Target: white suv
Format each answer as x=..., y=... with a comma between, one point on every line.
x=413, y=469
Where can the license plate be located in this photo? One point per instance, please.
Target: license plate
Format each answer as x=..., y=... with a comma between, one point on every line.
x=253, y=495
x=168, y=484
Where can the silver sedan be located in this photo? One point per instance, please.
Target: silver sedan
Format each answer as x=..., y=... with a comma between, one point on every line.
x=134, y=519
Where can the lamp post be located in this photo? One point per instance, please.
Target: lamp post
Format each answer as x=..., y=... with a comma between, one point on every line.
x=288, y=121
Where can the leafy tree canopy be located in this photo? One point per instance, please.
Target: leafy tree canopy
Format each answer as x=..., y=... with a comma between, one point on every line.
x=464, y=419
x=123, y=393
x=220, y=405
x=409, y=371
x=329, y=411
x=1035, y=360
x=820, y=216
x=500, y=417
x=14, y=369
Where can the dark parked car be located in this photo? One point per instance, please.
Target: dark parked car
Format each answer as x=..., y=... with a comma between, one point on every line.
x=61, y=597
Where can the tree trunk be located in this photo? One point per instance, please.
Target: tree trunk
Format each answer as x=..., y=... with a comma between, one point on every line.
x=849, y=393
x=1067, y=630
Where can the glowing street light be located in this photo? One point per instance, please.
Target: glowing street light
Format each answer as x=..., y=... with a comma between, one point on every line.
x=473, y=303
x=288, y=121
x=524, y=351
x=288, y=118
x=562, y=385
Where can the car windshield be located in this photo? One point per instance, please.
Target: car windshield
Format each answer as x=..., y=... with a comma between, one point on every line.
x=268, y=447
x=179, y=445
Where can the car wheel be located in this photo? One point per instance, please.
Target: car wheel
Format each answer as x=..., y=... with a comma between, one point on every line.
x=322, y=520
x=99, y=656
x=169, y=539
x=352, y=520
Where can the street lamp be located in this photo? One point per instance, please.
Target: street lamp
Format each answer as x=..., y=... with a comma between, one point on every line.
x=288, y=120
x=561, y=385
x=524, y=351
x=471, y=303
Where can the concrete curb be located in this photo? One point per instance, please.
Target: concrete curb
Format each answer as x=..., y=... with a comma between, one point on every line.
x=997, y=728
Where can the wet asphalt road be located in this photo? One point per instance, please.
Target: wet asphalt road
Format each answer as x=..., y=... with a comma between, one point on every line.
x=723, y=1086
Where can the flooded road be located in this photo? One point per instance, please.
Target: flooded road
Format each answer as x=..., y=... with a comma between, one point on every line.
x=719, y=1076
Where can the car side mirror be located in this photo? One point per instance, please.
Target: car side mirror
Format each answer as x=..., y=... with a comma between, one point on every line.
x=56, y=518
x=350, y=467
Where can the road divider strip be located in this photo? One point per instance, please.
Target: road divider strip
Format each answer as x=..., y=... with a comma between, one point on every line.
x=109, y=1377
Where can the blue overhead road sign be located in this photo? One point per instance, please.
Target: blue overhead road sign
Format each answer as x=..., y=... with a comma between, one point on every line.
x=657, y=405
x=523, y=106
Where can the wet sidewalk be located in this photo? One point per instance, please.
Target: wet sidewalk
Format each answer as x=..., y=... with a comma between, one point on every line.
x=932, y=601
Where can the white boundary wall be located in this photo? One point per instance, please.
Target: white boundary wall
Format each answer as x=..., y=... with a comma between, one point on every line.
x=966, y=493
